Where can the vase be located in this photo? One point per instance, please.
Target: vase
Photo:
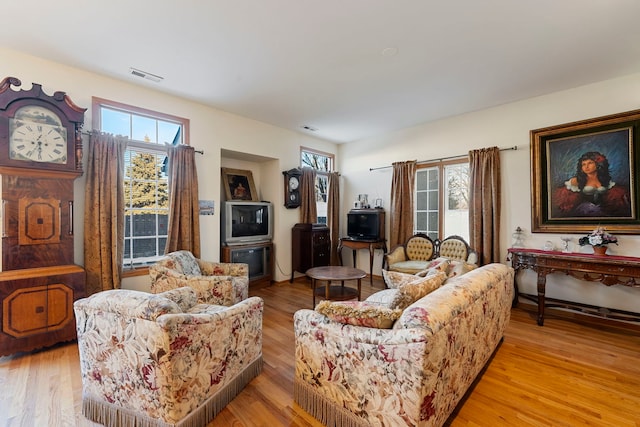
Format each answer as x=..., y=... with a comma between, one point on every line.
x=599, y=250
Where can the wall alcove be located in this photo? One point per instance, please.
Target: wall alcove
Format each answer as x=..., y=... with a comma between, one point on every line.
x=267, y=178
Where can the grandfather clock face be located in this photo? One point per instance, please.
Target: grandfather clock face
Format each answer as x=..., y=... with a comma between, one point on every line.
x=38, y=131
x=36, y=134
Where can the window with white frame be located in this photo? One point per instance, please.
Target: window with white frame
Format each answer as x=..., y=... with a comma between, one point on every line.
x=323, y=164
x=442, y=199
x=146, y=190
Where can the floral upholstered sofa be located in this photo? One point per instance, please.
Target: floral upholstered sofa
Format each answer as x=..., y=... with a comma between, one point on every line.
x=415, y=372
x=221, y=283
x=163, y=359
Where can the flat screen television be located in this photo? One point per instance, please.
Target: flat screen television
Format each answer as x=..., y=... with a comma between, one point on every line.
x=246, y=222
x=365, y=224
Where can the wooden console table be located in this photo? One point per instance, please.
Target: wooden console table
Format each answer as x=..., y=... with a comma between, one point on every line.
x=356, y=244
x=608, y=270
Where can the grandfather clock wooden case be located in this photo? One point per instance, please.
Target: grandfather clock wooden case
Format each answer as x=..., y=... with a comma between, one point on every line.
x=40, y=158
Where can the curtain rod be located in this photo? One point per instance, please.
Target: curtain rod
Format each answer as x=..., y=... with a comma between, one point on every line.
x=515, y=147
x=88, y=133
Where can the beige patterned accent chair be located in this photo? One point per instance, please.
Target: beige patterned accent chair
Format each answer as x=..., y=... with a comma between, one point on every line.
x=214, y=282
x=413, y=256
x=456, y=248
x=160, y=360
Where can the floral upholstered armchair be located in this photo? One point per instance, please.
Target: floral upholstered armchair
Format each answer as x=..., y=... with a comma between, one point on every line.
x=214, y=282
x=163, y=359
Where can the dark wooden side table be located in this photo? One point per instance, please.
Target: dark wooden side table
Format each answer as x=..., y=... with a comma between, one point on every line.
x=334, y=273
x=356, y=244
x=607, y=269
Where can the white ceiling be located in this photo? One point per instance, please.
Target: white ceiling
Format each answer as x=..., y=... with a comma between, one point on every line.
x=329, y=64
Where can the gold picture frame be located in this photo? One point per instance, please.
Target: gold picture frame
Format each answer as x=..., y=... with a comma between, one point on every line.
x=238, y=185
x=569, y=197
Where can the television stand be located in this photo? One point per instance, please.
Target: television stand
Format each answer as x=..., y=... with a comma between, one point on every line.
x=259, y=256
x=358, y=243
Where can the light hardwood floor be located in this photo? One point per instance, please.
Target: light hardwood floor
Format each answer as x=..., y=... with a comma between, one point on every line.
x=567, y=373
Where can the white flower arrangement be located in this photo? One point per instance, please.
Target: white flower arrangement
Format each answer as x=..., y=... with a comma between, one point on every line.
x=598, y=237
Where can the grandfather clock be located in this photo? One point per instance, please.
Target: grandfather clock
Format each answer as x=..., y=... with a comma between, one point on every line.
x=40, y=158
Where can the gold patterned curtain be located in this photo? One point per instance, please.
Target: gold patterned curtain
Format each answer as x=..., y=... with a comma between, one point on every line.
x=308, y=209
x=333, y=215
x=484, y=203
x=184, y=220
x=401, y=214
x=104, y=212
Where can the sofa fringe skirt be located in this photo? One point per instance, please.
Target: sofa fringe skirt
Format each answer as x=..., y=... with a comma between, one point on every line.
x=112, y=415
x=324, y=410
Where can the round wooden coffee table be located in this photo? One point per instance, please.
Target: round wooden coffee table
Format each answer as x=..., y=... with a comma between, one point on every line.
x=335, y=273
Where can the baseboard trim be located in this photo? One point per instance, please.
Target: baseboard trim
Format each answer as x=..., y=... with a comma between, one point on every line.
x=559, y=313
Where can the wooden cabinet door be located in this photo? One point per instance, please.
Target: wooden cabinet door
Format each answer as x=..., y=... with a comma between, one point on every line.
x=321, y=248
x=36, y=306
x=37, y=223
x=310, y=247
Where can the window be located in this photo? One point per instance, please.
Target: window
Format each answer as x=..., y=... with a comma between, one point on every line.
x=323, y=164
x=442, y=199
x=145, y=180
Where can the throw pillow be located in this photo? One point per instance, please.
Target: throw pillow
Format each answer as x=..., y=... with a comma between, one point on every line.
x=383, y=298
x=411, y=292
x=359, y=313
x=458, y=268
x=395, y=279
x=440, y=266
x=440, y=263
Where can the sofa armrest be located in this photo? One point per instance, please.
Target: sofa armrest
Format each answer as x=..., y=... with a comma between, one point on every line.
x=442, y=306
x=236, y=269
x=250, y=309
x=128, y=304
x=396, y=255
x=473, y=257
x=219, y=290
x=382, y=373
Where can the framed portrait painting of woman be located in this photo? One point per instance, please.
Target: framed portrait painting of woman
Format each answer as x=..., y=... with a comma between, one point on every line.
x=584, y=175
x=238, y=184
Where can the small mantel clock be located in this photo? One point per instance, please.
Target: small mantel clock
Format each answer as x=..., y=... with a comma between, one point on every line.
x=292, y=188
x=40, y=157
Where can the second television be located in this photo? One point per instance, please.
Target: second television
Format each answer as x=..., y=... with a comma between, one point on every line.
x=365, y=224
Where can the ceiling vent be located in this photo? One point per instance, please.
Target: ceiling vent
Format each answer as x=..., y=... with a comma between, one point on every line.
x=145, y=75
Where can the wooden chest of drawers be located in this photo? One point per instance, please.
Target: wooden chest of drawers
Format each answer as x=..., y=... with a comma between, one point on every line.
x=310, y=247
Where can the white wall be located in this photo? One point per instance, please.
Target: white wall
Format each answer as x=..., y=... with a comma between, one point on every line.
x=504, y=126
x=214, y=130
x=211, y=130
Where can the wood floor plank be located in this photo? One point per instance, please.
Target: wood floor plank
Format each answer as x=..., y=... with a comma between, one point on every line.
x=567, y=373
